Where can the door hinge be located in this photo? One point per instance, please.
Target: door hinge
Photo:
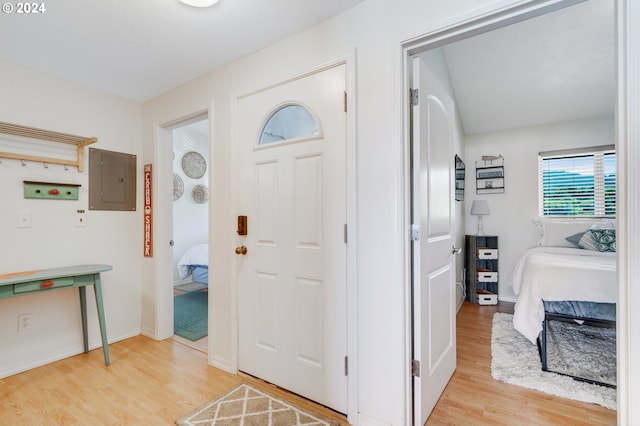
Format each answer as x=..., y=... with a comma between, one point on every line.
x=415, y=368
x=345, y=101
x=346, y=365
x=346, y=237
x=415, y=232
x=414, y=97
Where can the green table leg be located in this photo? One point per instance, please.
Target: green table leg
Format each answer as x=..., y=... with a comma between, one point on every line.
x=103, y=326
x=83, y=312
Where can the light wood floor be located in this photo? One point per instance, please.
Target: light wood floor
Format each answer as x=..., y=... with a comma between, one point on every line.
x=148, y=383
x=155, y=383
x=473, y=397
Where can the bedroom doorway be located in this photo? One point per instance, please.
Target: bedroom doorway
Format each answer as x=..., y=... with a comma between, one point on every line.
x=190, y=232
x=441, y=49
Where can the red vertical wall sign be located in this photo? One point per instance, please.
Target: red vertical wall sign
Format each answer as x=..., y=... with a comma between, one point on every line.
x=148, y=229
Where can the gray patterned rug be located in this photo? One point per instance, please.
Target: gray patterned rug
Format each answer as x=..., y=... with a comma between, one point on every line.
x=248, y=406
x=515, y=360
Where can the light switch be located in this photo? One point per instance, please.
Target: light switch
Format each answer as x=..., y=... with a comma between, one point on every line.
x=24, y=219
x=81, y=219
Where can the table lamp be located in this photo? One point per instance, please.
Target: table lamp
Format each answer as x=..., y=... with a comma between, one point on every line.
x=480, y=208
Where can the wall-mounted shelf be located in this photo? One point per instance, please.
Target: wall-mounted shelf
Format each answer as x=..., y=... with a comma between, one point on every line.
x=490, y=175
x=51, y=190
x=34, y=133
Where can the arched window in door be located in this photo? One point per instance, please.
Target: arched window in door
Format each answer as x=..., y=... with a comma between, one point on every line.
x=289, y=122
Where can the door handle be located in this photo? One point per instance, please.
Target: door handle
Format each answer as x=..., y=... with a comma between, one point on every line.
x=456, y=250
x=241, y=250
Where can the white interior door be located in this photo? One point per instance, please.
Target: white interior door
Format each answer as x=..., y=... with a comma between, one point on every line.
x=292, y=279
x=434, y=321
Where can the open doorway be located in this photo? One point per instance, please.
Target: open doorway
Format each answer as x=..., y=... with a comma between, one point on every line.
x=190, y=230
x=508, y=111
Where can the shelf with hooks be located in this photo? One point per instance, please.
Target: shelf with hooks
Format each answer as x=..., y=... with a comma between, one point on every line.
x=46, y=135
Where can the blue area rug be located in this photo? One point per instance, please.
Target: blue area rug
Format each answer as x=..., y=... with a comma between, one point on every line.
x=190, y=314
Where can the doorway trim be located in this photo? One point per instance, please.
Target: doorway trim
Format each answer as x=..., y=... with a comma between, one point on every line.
x=163, y=234
x=627, y=138
x=478, y=25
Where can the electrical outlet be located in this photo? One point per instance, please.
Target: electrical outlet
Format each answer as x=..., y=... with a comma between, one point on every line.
x=24, y=322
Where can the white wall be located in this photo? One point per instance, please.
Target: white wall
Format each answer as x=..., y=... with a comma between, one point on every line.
x=513, y=211
x=115, y=238
x=374, y=31
x=371, y=34
x=190, y=219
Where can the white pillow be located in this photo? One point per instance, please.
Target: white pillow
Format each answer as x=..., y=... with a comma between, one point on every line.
x=555, y=231
x=605, y=224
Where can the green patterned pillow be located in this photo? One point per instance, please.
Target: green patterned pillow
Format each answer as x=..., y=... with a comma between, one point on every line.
x=599, y=240
x=575, y=238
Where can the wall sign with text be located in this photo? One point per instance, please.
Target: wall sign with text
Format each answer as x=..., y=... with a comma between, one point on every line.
x=148, y=218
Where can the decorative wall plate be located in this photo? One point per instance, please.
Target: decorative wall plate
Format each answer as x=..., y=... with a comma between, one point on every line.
x=194, y=165
x=200, y=194
x=178, y=187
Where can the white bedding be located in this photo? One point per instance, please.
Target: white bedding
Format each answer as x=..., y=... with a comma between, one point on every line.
x=196, y=255
x=560, y=273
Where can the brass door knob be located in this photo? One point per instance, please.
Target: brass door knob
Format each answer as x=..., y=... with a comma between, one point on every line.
x=241, y=250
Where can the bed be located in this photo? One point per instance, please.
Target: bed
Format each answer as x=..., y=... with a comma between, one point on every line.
x=195, y=262
x=552, y=274
x=565, y=283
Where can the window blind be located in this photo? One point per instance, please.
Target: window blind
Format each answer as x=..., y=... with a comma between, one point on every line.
x=578, y=183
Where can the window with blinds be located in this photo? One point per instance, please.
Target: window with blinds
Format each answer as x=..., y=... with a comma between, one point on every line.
x=580, y=182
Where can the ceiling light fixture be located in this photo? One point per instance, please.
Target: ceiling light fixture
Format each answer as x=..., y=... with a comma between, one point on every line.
x=199, y=3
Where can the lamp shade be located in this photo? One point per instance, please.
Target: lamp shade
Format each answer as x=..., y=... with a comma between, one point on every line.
x=480, y=208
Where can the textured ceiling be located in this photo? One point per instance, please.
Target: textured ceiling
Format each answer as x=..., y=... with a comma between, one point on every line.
x=139, y=49
x=553, y=68
x=556, y=67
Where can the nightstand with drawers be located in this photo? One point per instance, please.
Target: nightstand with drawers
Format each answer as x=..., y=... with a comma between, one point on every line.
x=481, y=267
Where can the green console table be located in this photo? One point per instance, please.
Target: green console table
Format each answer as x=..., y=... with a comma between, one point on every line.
x=43, y=280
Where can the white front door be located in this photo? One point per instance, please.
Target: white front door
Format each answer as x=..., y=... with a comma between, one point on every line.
x=434, y=320
x=292, y=279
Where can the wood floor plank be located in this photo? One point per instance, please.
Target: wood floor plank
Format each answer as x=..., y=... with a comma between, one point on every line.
x=148, y=383
x=156, y=382
x=473, y=397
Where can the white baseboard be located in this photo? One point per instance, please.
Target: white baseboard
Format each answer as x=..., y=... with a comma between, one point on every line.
x=222, y=364
x=76, y=350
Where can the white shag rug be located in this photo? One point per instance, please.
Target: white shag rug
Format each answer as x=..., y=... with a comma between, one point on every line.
x=515, y=360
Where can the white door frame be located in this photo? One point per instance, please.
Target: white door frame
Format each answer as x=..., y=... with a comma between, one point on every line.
x=628, y=208
x=459, y=31
x=351, y=203
x=162, y=211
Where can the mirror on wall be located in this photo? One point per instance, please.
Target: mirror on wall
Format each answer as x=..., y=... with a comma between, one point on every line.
x=460, y=169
